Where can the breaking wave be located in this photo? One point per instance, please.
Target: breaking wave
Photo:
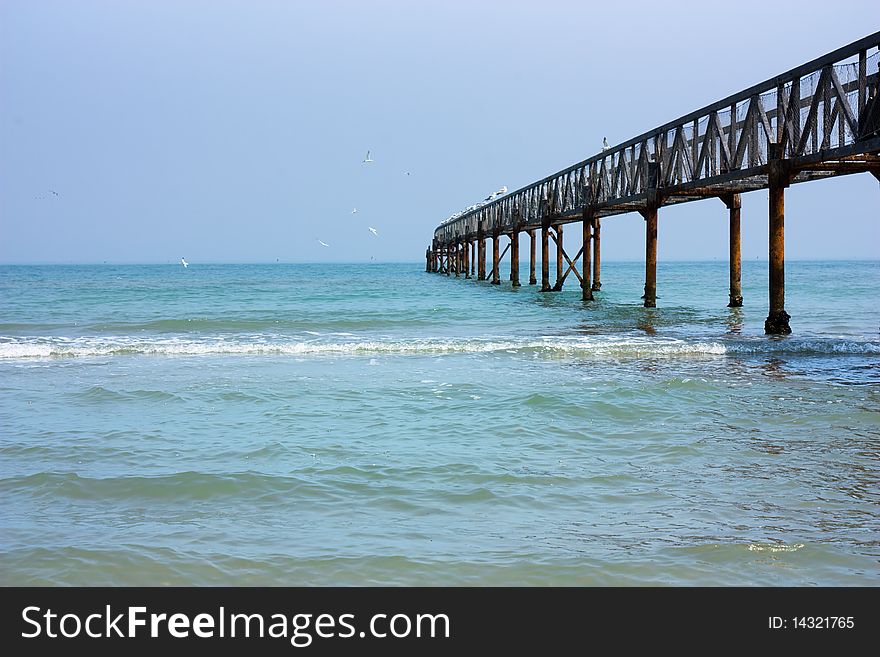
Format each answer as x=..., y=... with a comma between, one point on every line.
x=548, y=346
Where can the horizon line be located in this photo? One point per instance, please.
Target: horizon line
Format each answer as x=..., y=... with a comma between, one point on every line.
x=52, y=263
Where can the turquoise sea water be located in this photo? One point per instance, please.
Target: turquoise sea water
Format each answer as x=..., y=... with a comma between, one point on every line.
x=374, y=424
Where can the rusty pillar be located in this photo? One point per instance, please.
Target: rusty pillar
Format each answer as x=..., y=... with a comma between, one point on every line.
x=777, y=319
x=429, y=256
x=466, y=255
x=473, y=259
x=532, y=257
x=457, y=247
x=597, y=253
x=496, y=278
x=514, y=257
x=650, y=215
x=586, y=287
x=545, y=256
x=481, y=255
x=448, y=249
x=734, y=204
x=559, y=270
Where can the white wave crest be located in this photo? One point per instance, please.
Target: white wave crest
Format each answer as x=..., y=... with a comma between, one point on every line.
x=630, y=346
x=54, y=347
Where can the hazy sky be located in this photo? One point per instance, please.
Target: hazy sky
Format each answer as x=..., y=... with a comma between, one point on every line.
x=234, y=131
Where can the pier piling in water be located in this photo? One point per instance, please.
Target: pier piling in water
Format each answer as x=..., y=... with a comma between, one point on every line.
x=777, y=319
x=650, y=215
x=481, y=255
x=734, y=204
x=545, y=256
x=586, y=286
x=597, y=225
x=560, y=275
x=514, y=258
x=532, y=257
x=496, y=261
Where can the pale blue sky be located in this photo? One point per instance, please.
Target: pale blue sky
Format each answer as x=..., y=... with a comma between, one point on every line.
x=234, y=131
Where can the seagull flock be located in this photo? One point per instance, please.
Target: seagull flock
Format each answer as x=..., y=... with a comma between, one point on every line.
x=494, y=195
x=373, y=231
x=488, y=199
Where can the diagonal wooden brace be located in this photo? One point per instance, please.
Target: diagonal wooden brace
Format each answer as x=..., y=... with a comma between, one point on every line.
x=571, y=266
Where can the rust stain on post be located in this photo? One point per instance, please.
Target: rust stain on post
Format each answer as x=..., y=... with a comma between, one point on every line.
x=586, y=287
x=734, y=204
x=559, y=270
x=514, y=258
x=481, y=255
x=532, y=257
x=650, y=214
x=496, y=279
x=545, y=257
x=777, y=319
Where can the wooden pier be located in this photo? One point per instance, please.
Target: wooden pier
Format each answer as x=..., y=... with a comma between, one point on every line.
x=818, y=120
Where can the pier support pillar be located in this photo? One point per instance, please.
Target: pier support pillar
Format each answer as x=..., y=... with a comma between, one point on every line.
x=532, y=257
x=466, y=254
x=457, y=248
x=597, y=251
x=586, y=286
x=777, y=320
x=557, y=287
x=496, y=278
x=473, y=259
x=545, y=256
x=481, y=255
x=514, y=258
x=448, y=251
x=734, y=204
x=650, y=215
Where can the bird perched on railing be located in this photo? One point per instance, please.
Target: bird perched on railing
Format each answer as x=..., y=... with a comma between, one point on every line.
x=494, y=195
x=605, y=145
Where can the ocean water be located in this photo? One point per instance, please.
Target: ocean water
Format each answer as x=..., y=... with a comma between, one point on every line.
x=375, y=424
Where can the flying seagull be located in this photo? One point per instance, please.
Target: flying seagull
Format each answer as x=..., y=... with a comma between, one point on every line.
x=368, y=158
x=184, y=263
x=354, y=210
x=373, y=230
x=323, y=243
x=54, y=193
